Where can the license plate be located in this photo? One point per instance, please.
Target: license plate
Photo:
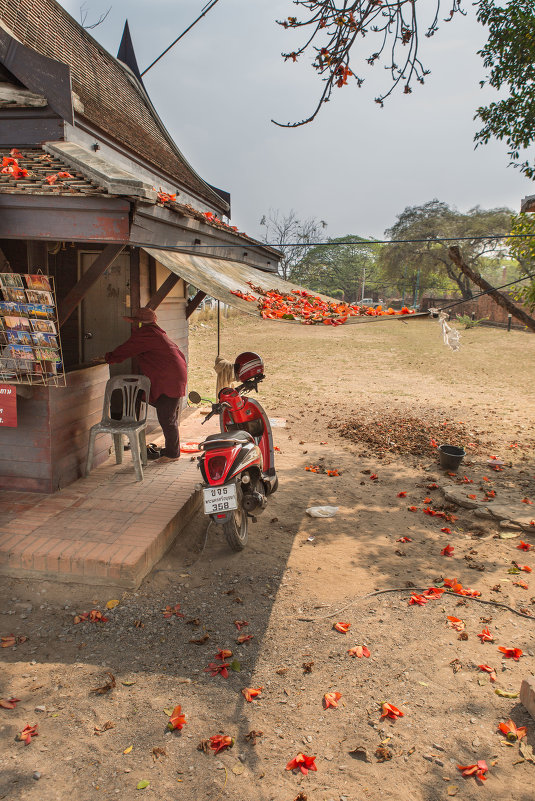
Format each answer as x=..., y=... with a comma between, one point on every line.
x=220, y=499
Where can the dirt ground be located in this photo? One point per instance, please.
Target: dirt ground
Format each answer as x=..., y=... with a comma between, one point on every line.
x=296, y=578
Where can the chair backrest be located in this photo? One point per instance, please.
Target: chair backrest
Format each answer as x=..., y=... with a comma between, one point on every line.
x=135, y=391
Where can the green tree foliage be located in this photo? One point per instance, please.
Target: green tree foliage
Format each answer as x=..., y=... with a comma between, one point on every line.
x=338, y=268
x=434, y=222
x=509, y=57
x=523, y=249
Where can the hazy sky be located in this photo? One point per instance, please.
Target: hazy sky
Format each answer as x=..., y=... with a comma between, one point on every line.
x=357, y=166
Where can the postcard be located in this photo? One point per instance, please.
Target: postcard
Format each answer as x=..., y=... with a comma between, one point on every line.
x=19, y=323
x=38, y=281
x=34, y=296
x=24, y=352
x=11, y=280
x=13, y=294
x=48, y=340
x=40, y=310
x=47, y=326
x=46, y=355
x=18, y=337
x=8, y=307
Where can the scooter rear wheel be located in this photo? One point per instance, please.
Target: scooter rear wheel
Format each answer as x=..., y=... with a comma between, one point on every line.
x=236, y=529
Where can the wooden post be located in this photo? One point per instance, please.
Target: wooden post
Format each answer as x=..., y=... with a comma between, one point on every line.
x=135, y=287
x=73, y=298
x=502, y=300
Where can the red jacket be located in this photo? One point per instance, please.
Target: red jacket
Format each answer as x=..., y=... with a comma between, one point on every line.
x=159, y=359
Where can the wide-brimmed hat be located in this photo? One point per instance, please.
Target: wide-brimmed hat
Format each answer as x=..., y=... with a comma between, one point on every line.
x=144, y=315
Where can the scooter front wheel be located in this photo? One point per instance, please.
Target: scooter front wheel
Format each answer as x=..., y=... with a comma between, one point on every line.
x=236, y=529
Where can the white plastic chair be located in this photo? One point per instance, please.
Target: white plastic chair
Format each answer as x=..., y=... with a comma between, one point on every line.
x=132, y=422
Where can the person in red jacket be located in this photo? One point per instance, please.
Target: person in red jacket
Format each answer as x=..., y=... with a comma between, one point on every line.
x=163, y=362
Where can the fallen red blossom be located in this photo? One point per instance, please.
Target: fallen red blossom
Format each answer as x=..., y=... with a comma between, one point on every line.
x=303, y=763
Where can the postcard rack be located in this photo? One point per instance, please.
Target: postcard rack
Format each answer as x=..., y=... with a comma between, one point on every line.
x=30, y=344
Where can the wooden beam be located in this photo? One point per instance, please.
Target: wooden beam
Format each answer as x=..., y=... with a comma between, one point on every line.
x=73, y=298
x=194, y=302
x=163, y=291
x=502, y=300
x=135, y=286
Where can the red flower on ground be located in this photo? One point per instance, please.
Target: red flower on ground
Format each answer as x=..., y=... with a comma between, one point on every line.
x=433, y=593
x=331, y=699
x=343, y=628
x=412, y=508
x=177, y=720
x=244, y=638
x=489, y=670
x=524, y=546
x=456, y=623
x=220, y=741
x=169, y=611
x=390, y=711
x=486, y=636
x=374, y=477
x=448, y=550
x=359, y=650
x=404, y=539
x=303, y=763
x=478, y=770
x=240, y=624
x=420, y=600
x=27, y=733
x=223, y=654
x=446, y=530
x=213, y=669
x=511, y=731
x=9, y=703
x=402, y=494
x=251, y=692
x=511, y=653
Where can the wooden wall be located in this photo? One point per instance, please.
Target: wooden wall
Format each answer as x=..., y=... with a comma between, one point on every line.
x=72, y=411
x=48, y=448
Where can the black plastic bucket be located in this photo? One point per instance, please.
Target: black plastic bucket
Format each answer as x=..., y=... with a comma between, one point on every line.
x=451, y=456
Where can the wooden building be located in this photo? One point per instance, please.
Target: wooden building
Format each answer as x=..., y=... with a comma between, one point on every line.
x=105, y=203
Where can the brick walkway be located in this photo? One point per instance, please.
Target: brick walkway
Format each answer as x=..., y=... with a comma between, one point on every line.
x=104, y=529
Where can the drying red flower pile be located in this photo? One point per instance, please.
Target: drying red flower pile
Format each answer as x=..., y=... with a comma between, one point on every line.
x=309, y=309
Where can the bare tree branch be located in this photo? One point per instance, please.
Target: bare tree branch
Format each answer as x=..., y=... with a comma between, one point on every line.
x=334, y=26
x=83, y=18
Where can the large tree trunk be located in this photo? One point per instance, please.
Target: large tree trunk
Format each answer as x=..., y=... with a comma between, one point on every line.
x=503, y=301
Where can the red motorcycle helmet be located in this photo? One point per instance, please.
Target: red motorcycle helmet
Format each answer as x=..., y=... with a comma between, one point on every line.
x=248, y=365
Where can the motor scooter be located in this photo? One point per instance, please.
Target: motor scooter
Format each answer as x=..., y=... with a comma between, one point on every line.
x=238, y=465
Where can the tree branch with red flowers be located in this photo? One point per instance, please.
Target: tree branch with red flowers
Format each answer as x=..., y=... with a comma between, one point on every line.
x=333, y=27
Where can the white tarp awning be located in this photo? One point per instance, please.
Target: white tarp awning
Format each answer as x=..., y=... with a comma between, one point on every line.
x=220, y=277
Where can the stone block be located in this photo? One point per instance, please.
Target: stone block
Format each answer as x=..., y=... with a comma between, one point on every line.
x=527, y=695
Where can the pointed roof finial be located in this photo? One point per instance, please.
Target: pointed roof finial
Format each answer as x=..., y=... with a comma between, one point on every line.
x=126, y=52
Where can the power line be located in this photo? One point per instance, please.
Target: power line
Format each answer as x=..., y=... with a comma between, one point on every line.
x=257, y=243
x=205, y=11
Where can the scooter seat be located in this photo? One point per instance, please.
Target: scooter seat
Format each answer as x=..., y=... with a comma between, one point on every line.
x=226, y=438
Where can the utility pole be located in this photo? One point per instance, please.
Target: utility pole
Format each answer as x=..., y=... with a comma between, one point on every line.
x=363, y=282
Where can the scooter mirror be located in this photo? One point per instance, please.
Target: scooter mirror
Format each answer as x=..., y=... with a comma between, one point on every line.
x=194, y=397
